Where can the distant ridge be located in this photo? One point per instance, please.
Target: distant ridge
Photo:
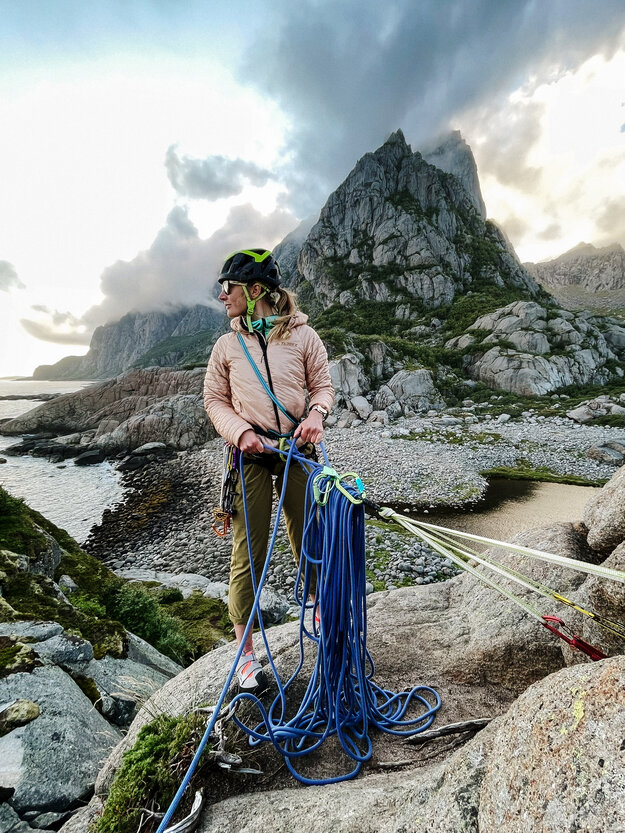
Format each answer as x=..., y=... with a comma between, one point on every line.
x=591, y=268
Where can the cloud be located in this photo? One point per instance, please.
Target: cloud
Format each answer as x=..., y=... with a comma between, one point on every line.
x=350, y=72
x=179, y=269
x=8, y=277
x=212, y=178
x=56, y=327
x=511, y=132
x=611, y=222
x=551, y=232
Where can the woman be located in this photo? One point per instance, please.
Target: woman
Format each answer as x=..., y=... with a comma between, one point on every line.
x=267, y=379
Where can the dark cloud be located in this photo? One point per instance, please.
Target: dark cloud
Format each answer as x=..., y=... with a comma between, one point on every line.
x=179, y=269
x=8, y=277
x=347, y=73
x=212, y=178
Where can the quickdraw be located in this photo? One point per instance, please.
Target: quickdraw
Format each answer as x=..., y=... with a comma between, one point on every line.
x=557, y=626
x=223, y=513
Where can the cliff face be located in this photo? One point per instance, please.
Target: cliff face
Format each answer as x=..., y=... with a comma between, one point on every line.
x=400, y=229
x=118, y=346
x=454, y=156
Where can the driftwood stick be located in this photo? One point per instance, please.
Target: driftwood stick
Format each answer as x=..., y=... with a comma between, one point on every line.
x=451, y=729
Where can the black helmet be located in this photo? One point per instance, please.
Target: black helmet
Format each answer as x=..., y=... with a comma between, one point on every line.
x=251, y=266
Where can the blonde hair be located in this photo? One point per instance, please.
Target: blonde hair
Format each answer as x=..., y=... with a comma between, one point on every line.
x=285, y=304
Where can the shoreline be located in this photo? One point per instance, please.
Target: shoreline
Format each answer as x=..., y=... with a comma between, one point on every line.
x=164, y=521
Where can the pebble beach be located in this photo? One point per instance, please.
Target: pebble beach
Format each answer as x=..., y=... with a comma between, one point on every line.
x=421, y=463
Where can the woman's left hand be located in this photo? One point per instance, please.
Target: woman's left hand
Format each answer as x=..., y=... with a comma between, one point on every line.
x=311, y=429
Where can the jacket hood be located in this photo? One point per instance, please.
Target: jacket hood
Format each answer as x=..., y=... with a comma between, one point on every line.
x=296, y=321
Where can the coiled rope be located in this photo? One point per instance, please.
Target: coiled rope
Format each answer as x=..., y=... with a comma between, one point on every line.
x=340, y=700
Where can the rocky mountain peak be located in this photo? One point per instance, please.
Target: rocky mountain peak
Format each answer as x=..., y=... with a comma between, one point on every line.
x=402, y=230
x=454, y=156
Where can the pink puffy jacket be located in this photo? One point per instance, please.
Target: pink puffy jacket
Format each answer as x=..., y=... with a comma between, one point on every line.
x=234, y=398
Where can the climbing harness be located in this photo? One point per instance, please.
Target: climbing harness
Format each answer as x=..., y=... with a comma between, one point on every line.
x=340, y=700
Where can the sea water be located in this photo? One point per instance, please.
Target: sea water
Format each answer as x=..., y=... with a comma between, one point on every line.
x=72, y=497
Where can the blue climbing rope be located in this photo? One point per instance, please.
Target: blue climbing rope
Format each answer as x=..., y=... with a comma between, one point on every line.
x=340, y=699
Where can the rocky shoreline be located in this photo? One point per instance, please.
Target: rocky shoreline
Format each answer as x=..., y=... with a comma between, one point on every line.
x=164, y=523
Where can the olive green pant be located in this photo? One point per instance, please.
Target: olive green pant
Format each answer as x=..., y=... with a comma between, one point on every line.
x=259, y=472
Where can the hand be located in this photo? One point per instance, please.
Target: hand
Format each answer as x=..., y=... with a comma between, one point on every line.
x=249, y=442
x=311, y=429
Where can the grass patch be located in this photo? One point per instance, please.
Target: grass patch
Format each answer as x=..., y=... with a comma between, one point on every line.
x=610, y=421
x=525, y=471
x=204, y=622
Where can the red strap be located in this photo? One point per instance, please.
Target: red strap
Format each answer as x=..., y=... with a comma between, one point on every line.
x=573, y=640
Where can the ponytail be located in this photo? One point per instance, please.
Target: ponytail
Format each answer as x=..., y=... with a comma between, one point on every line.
x=285, y=305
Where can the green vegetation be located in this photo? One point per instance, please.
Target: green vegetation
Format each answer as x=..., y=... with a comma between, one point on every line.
x=105, y=605
x=483, y=298
x=204, y=622
x=178, y=350
x=88, y=687
x=525, y=471
x=408, y=203
x=610, y=420
x=150, y=773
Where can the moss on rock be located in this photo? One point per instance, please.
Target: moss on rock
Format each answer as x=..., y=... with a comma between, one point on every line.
x=150, y=773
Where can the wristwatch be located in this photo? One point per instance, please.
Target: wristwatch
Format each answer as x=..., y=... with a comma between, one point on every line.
x=321, y=410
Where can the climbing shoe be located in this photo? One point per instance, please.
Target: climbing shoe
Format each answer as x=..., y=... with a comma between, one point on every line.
x=250, y=673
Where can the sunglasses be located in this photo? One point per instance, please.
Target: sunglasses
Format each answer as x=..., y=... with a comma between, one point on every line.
x=227, y=285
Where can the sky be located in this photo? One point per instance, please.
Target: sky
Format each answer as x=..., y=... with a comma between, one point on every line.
x=141, y=141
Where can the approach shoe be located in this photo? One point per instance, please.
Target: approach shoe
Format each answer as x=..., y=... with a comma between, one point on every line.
x=250, y=673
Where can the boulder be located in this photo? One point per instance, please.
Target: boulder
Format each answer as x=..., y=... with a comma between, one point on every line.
x=150, y=448
x=531, y=352
x=361, y=406
x=555, y=762
x=551, y=763
x=582, y=414
x=107, y=407
x=52, y=762
x=459, y=636
x=604, y=514
x=415, y=390
x=187, y=583
x=178, y=421
x=89, y=458
x=347, y=377
x=606, y=599
x=605, y=455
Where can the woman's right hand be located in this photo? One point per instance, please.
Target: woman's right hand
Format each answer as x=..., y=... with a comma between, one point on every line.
x=250, y=443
